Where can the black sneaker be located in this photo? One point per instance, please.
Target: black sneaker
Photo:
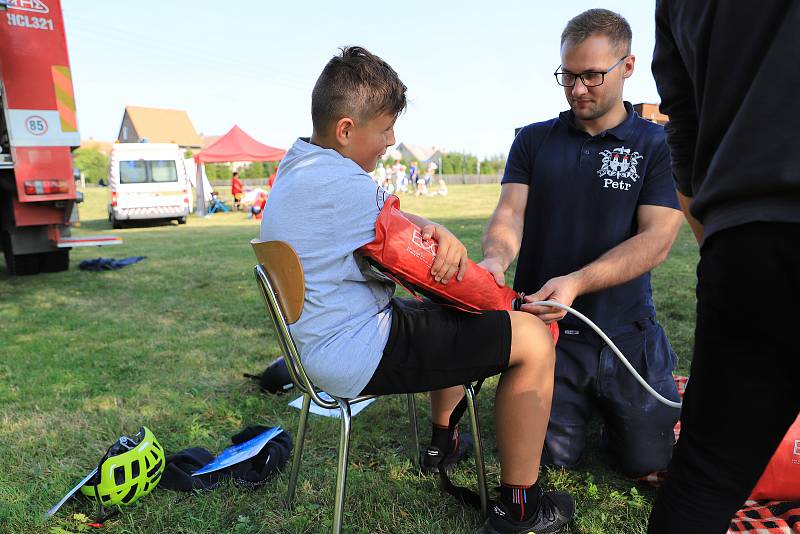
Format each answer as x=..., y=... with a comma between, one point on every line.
x=556, y=509
x=432, y=457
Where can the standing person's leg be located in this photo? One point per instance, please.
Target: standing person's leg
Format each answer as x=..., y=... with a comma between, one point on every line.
x=639, y=430
x=743, y=377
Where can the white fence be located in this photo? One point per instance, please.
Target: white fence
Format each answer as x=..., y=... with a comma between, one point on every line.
x=450, y=179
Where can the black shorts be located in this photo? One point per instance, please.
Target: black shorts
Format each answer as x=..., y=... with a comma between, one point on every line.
x=431, y=347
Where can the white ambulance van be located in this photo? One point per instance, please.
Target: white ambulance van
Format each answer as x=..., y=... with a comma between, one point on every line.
x=148, y=181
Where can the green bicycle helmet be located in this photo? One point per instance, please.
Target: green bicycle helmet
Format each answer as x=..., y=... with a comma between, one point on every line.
x=130, y=469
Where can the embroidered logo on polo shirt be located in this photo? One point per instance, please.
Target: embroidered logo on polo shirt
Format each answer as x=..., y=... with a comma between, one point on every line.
x=619, y=163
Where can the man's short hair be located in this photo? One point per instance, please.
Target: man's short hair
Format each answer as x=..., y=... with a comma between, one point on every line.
x=599, y=22
x=355, y=84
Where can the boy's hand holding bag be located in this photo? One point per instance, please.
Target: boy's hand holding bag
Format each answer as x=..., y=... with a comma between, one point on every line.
x=400, y=251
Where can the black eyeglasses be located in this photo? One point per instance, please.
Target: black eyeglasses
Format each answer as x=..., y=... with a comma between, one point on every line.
x=589, y=78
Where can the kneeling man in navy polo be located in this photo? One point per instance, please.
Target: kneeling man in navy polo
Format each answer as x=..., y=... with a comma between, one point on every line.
x=588, y=205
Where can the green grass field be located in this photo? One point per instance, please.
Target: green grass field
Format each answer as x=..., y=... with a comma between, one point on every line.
x=89, y=356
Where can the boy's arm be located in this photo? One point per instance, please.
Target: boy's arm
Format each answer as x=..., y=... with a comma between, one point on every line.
x=451, y=256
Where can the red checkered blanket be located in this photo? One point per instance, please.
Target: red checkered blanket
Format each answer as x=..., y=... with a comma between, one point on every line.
x=767, y=517
x=757, y=517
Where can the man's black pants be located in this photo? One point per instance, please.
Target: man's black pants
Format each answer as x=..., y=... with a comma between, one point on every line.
x=638, y=430
x=743, y=391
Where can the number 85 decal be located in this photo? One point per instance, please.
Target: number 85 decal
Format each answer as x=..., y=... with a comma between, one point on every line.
x=36, y=125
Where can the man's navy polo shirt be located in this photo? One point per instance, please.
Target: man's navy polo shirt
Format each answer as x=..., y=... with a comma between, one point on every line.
x=583, y=200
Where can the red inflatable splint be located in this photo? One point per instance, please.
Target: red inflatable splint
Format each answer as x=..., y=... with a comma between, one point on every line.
x=781, y=479
x=400, y=252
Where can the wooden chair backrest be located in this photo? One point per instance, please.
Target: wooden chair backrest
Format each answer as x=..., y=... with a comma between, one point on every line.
x=282, y=265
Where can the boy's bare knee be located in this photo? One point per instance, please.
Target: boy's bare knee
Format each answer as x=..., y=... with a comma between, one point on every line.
x=531, y=340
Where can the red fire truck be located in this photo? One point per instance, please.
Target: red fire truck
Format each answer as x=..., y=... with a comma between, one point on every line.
x=38, y=131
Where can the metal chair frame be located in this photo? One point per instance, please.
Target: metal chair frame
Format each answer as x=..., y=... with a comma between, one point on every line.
x=312, y=393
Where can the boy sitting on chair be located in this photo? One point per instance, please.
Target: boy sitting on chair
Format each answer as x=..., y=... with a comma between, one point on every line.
x=354, y=338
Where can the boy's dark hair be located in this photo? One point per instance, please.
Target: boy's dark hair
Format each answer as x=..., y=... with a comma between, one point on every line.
x=599, y=22
x=355, y=84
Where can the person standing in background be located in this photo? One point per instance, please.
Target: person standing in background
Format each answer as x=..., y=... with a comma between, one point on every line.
x=728, y=75
x=237, y=190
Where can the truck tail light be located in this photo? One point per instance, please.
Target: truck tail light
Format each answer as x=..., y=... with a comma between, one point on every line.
x=46, y=187
x=185, y=196
x=113, y=199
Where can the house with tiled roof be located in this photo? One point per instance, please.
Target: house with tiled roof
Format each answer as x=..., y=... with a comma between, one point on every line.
x=156, y=125
x=419, y=153
x=95, y=144
x=209, y=139
x=651, y=113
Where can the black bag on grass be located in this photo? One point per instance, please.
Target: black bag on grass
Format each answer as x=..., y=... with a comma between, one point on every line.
x=251, y=473
x=274, y=379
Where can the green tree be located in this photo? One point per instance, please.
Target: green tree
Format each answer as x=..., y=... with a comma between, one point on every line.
x=451, y=163
x=218, y=171
x=91, y=162
x=493, y=164
x=458, y=162
x=471, y=164
x=253, y=171
x=269, y=168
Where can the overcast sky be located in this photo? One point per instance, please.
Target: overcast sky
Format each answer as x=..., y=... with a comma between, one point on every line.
x=474, y=70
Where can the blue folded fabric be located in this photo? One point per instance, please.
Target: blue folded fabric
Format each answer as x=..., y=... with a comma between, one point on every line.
x=108, y=264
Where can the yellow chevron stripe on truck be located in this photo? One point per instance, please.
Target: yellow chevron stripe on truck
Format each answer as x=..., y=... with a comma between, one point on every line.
x=65, y=98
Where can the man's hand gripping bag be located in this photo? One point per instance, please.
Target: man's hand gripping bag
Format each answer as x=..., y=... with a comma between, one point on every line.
x=399, y=251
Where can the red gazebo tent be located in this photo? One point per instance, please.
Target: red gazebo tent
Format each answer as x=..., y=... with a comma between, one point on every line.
x=236, y=145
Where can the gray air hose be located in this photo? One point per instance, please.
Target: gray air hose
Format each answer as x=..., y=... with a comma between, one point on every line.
x=605, y=338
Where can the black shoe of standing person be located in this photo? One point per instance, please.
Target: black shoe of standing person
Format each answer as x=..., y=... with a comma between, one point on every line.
x=555, y=511
x=433, y=458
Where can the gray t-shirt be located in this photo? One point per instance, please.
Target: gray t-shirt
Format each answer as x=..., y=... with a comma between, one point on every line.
x=325, y=206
